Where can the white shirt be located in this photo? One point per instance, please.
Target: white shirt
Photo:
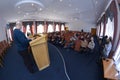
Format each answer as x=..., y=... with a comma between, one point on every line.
x=107, y=49
x=91, y=45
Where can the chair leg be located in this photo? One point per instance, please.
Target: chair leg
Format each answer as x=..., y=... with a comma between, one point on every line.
x=2, y=57
x=1, y=63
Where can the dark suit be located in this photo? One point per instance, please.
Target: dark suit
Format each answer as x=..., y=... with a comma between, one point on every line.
x=22, y=46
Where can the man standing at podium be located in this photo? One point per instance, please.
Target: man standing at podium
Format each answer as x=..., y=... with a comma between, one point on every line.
x=22, y=43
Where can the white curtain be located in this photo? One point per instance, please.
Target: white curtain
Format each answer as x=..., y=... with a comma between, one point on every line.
x=40, y=28
x=50, y=28
x=116, y=57
x=62, y=27
x=109, y=28
x=102, y=28
x=98, y=30
x=9, y=34
x=27, y=30
x=57, y=28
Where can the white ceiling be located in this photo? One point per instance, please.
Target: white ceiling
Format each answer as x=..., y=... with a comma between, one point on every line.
x=86, y=11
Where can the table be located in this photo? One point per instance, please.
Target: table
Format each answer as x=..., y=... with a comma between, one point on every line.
x=110, y=71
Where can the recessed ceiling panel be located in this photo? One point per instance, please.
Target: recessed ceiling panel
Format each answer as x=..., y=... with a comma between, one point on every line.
x=59, y=10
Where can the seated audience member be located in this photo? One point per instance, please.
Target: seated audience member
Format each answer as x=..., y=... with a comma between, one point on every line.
x=103, y=42
x=49, y=37
x=97, y=45
x=53, y=38
x=77, y=45
x=76, y=36
x=91, y=45
x=72, y=38
x=84, y=44
x=71, y=43
x=107, y=48
x=62, y=42
x=57, y=39
x=81, y=37
x=82, y=30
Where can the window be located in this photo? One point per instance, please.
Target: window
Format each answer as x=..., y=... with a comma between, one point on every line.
x=50, y=28
x=14, y=28
x=101, y=32
x=62, y=27
x=109, y=28
x=57, y=28
x=98, y=30
x=22, y=29
x=9, y=34
x=40, y=28
x=116, y=57
x=33, y=29
x=28, y=32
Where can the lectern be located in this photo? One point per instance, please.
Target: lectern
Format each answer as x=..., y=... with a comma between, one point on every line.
x=39, y=49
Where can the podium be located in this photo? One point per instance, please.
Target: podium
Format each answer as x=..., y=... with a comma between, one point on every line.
x=39, y=49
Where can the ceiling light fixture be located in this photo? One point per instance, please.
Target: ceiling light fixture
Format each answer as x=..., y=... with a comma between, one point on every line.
x=96, y=2
x=29, y=6
x=61, y=0
x=40, y=9
x=32, y=4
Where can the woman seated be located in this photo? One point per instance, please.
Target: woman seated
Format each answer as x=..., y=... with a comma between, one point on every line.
x=62, y=42
x=71, y=43
x=84, y=44
x=91, y=45
x=107, y=48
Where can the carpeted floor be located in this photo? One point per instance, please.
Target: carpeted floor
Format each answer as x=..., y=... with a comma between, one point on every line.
x=82, y=66
x=78, y=66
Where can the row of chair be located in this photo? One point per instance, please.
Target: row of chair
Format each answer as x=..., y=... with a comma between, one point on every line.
x=67, y=37
x=4, y=45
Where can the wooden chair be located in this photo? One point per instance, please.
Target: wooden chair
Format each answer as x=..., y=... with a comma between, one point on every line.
x=2, y=51
x=6, y=44
x=1, y=57
x=1, y=62
x=77, y=45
